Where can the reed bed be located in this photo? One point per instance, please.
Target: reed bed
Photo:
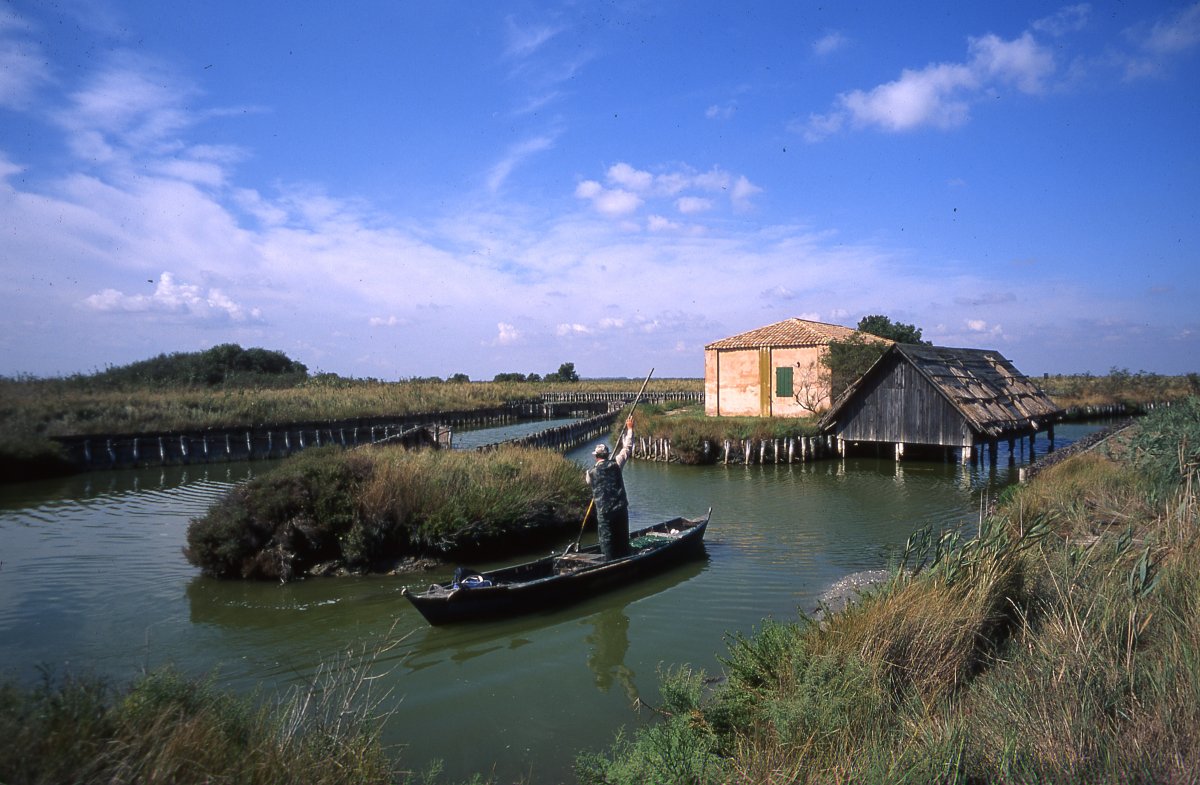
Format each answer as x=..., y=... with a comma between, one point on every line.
x=1119, y=387
x=369, y=508
x=166, y=728
x=60, y=407
x=1060, y=644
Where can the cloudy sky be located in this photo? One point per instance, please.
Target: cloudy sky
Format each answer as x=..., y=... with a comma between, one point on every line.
x=423, y=188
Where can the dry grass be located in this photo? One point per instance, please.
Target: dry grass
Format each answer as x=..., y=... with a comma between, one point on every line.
x=1062, y=644
x=60, y=408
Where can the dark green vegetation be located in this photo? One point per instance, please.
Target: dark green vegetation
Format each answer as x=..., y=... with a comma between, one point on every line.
x=1061, y=644
x=227, y=364
x=565, y=373
x=171, y=730
x=847, y=360
x=368, y=509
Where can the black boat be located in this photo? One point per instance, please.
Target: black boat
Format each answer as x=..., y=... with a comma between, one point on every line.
x=560, y=579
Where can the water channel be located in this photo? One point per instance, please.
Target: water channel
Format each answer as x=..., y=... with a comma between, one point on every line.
x=92, y=579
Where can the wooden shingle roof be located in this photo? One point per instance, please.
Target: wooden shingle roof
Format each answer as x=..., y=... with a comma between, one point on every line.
x=788, y=333
x=990, y=393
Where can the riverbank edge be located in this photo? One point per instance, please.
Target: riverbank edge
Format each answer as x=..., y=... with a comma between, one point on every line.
x=28, y=453
x=1057, y=645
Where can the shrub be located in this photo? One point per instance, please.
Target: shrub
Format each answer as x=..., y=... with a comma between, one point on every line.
x=367, y=508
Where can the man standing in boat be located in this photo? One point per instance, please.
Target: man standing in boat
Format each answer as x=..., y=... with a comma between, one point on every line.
x=608, y=494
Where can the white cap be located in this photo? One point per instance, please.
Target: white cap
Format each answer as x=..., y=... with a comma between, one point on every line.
x=601, y=450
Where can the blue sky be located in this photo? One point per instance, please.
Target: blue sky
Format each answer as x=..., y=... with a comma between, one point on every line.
x=425, y=188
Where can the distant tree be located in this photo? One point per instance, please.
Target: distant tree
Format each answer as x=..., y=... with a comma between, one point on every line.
x=566, y=373
x=459, y=378
x=886, y=328
x=509, y=377
x=533, y=377
x=848, y=360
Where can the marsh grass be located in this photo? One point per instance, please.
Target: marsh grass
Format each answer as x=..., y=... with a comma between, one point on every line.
x=688, y=429
x=64, y=407
x=371, y=507
x=1119, y=386
x=1060, y=644
x=166, y=728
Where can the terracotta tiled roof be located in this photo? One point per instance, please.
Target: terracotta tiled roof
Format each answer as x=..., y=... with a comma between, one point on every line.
x=790, y=332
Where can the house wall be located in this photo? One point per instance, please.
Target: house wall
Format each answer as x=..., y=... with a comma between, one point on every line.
x=734, y=382
x=899, y=405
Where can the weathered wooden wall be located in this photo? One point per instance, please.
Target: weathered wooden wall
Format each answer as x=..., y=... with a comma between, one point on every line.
x=898, y=405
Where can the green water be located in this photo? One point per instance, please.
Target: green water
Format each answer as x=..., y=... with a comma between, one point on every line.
x=92, y=578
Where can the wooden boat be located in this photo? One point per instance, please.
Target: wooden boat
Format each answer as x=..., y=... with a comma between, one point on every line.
x=560, y=579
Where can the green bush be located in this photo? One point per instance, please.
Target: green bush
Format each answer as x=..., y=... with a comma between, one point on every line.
x=368, y=508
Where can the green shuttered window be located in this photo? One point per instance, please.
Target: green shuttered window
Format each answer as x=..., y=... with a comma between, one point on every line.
x=783, y=382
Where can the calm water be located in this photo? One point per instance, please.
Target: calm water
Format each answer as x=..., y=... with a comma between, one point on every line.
x=92, y=577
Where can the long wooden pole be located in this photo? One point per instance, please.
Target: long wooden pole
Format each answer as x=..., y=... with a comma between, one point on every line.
x=592, y=503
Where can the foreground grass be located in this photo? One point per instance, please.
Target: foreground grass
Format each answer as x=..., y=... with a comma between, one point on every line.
x=1060, y=645
x=371, y=507
x=169, y=729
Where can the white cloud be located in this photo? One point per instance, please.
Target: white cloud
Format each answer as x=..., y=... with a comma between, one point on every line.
x=524, y=40
x=23, y=68
x=657, y=223
x=721, y=111
x=617, y=202
x=1176, y=34
x=1070, y=19
x=828, y=44
x=981, y=328
x=572, y=329
x=169, y=297
x=940, y=94
x=693, y=204
x=634, y=179
x=743, y=191
x=632, y=188
x=388, y=321
x=506, y=334
x=930, y=96
x=1021, y=61
x=514, y=157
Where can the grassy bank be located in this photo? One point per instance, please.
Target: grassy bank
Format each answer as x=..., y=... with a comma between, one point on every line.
x=33, y=411
x=1060, y=645
x=687, y=428
x=69, y=407
x=171, y=730
x=1119, y=387
x=370, y=508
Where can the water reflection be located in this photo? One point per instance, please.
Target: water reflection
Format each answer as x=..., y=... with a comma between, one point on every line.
x=609, y=643
x=93, y=576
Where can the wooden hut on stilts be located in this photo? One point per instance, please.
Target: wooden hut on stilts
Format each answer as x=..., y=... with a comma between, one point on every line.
x=942, y=398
